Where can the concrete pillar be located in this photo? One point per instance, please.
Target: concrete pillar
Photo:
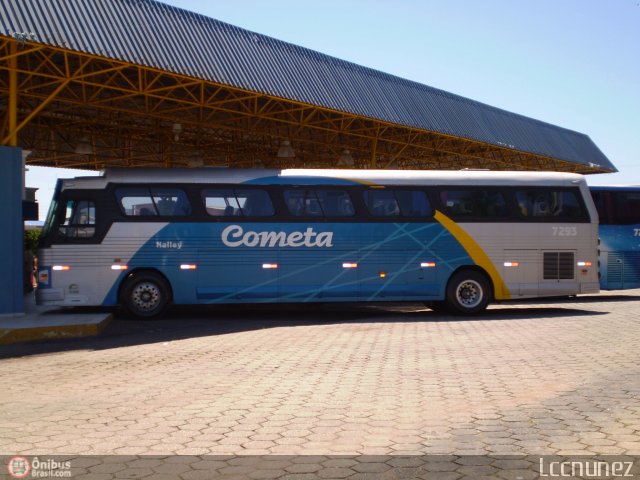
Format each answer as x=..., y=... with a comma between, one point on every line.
x=11, y=232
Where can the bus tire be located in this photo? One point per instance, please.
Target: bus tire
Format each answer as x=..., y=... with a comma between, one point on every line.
x=468, y=292
x=145, y=295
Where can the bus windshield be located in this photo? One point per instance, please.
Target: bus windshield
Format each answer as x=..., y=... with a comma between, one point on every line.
x=51, y=214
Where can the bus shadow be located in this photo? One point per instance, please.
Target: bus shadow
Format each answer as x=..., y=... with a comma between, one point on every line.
x=182, y=323
x=608, y=298
x=581, y=299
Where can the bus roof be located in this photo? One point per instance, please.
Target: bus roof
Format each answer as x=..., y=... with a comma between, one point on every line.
x=615, y=187
x=321, y=177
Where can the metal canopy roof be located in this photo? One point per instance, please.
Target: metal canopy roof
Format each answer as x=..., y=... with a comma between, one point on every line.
x=122, y=72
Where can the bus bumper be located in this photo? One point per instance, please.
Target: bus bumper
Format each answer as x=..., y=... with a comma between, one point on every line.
x=58, y=297
x=49, y=296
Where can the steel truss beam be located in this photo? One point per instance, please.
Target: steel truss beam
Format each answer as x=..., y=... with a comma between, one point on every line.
x=136, y=116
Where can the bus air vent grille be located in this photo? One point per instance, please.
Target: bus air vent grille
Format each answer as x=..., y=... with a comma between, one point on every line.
x=559, y=266
x=622, y=270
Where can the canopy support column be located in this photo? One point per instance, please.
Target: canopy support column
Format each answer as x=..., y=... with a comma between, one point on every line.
x=11, y=233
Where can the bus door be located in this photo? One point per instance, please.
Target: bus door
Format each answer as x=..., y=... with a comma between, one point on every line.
x=74, y=270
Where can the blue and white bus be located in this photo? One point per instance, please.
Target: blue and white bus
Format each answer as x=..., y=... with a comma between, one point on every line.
x=619, y=211
x=147, y=238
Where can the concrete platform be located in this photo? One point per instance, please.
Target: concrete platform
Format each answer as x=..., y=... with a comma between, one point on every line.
x=46, y=323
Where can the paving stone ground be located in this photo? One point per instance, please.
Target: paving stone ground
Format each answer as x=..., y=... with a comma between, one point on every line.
x=560, y=377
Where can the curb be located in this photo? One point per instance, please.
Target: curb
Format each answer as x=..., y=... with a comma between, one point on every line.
x=30, y=333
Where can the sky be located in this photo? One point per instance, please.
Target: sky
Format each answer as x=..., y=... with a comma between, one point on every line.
x=571, y=63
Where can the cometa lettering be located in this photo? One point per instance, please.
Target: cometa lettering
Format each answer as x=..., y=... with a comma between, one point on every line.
x=235, y=236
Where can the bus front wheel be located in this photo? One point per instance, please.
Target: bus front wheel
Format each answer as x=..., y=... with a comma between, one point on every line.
x=468, y=292
x=145, y=295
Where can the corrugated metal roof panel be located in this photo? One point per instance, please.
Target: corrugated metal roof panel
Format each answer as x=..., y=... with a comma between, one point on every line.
x=153, y=34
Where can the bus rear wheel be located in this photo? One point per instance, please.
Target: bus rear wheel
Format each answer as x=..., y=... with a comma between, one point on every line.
x=468, y=292
x=145, y=295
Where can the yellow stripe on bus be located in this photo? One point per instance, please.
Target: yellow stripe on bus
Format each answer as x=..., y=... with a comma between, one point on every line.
x=476, y=253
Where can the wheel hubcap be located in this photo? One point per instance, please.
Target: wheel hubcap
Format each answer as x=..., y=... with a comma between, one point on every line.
x=146, y=296
x=469, y=293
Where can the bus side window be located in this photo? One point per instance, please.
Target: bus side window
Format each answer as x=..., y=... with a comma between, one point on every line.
x=255, y=203
x=626, y=207
x=476, y=203
x=550, y=204
x=171, y=202
x=567, y=205
x=303, y=203
x=228, y=202
x=80, y=220
x=336, y=203
x=414, y=203
x=536, y=203
x=312, y=205
x=145, y=202
x=494, y=204
x=221, y=202
x=294, y=200
x=381, y=203
x=524, y=204
x=457, y=203
x=136, y=202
